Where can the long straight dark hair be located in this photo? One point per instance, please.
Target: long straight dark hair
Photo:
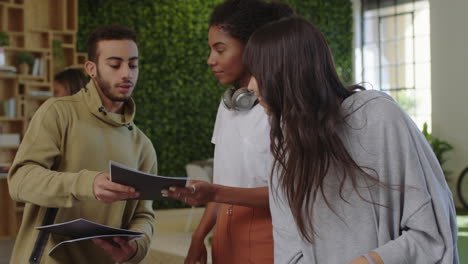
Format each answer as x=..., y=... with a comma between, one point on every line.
x=296, y=76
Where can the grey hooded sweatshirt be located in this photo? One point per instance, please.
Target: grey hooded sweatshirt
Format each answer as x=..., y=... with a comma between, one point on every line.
x=413, y=226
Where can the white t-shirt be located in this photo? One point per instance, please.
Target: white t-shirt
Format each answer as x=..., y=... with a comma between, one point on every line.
x=242, y=148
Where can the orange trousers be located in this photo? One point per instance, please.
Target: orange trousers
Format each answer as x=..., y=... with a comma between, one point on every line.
x=242, y=235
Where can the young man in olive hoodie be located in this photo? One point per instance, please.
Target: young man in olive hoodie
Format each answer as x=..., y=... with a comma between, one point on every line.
x=64, y=158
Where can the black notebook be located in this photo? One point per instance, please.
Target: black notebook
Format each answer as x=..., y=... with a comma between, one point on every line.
x=148, y=185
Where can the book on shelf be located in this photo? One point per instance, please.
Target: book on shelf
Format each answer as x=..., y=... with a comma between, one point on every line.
x=40, y=93
x=35, y=70
x=5, y=69
x=9, y=108
x=147, y=184
x=38, y=67
x=4, y=170
x=2, y=56
x=7, y=140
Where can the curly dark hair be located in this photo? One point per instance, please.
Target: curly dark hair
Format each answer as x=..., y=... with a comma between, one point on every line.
x=240, y=18
x=108, y=32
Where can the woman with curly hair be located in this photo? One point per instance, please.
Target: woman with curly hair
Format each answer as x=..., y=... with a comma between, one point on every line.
x=238, y=200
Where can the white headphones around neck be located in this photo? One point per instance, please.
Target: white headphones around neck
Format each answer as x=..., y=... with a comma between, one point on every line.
x=239, y=99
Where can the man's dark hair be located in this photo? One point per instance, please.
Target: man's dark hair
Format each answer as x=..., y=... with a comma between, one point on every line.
x=108, y=32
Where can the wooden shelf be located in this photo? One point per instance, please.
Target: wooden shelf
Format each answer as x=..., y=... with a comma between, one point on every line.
x=72, y=46
x=2, y=15
x=38, y=40
x=37, y=98
x=31, y=77
x=31, y=26
x=81, y=58
x=15, y=19
x=34, y=50
x=14, y=5
x=77, y=66
x=19, y=209
x=9, y=226
x=15, y=33
x=10, y=119
x=34, y=82
x=10, y=147
x=4, y=75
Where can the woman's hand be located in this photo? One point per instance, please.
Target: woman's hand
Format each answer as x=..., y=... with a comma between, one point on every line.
x=197, y=193
x=362, y=260
x=200, y=192
x=197, y=252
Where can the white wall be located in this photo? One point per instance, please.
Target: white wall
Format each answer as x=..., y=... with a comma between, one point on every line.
x=449, y=54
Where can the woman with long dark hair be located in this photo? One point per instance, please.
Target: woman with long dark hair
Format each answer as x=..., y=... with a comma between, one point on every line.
x=238, y=201
x=351, y=170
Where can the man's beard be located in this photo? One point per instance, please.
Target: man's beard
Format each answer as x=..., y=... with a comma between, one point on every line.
x=106, y=89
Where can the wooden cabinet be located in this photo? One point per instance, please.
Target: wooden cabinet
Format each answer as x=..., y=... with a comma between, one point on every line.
x=47, y=30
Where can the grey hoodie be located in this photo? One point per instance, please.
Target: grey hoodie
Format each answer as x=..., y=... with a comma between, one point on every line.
x=417, y=225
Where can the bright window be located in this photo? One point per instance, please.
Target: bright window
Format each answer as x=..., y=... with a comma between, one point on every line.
x=395, y=53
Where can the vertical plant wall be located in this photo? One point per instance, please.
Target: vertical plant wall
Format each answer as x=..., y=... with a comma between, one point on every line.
x=177, y=95
x=335, y=20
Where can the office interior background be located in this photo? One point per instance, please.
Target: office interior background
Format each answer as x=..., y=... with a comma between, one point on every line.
x=415, y=50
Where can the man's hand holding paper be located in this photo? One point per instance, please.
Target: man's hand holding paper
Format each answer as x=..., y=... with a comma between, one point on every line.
x=107, y=191
x=120, y=251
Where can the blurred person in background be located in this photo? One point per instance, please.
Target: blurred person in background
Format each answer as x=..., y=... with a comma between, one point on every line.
x=69, y=82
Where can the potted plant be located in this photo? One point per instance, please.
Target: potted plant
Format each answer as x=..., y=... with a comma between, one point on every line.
x=440, y=147
x=24, y=60
x=58, y=56
x=3, y=43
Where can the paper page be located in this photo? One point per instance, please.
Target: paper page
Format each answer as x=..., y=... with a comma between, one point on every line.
x=106, y=237
x=80, y=228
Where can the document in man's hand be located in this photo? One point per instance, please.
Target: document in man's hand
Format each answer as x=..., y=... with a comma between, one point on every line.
x=148, y=185
x=82, y=229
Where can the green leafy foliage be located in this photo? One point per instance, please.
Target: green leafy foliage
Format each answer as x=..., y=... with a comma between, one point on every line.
x=335, y=19
x=177, y=96
x=3, y=39
x=58, y=56
x=440, y=147
x=24, y=57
